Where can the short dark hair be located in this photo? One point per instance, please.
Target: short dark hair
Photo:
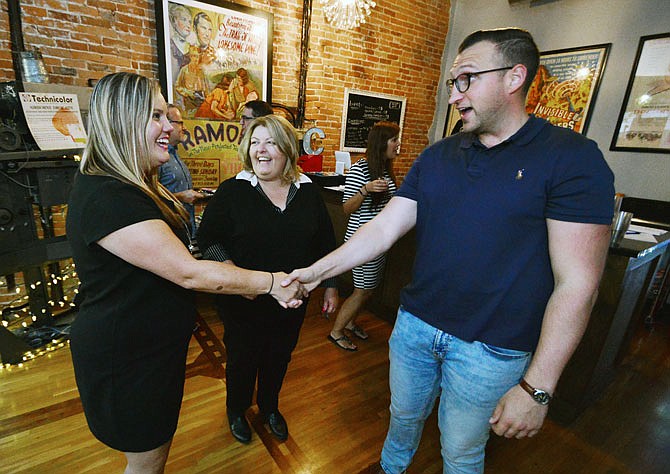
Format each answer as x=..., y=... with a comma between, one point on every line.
x=516, y=46
x=201, y=16
x=259, y=108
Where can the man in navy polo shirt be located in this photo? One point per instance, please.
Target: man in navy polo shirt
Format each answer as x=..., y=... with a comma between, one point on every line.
x=512, y=223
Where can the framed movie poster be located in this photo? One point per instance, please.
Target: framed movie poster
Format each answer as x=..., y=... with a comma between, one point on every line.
x=565, y=86
x=644, y=120
x=214, y=56
x=453, y=123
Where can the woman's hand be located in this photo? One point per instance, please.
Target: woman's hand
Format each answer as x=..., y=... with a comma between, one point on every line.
x=379, y=185
x=289, y=296
x=330, y=300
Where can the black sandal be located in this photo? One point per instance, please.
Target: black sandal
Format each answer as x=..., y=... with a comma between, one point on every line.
x=345, y=339
x=359, y=332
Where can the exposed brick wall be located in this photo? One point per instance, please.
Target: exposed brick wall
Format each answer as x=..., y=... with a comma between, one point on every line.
x=398, y=51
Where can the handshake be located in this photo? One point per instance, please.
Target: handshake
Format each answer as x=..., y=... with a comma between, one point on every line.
x=290, y=289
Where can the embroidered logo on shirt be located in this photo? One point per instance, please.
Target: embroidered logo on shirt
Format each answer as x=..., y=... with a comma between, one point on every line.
x=519, y=174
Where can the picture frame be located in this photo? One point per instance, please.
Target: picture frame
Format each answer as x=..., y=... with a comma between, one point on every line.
x=644, y=120
x=565, y=87
x=213, y=57
x=223, y=37
x=451, y=124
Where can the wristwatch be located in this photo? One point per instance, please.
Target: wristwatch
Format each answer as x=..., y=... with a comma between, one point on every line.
x=540, y=396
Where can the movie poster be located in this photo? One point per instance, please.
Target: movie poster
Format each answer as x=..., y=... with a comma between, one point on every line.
x=208, y=143
x=216, y=60
x=564, y=88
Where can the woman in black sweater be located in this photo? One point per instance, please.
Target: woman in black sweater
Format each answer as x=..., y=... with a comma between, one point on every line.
x=269, y=217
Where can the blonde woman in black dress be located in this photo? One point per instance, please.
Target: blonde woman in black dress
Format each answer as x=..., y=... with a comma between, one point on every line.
x=129, y=239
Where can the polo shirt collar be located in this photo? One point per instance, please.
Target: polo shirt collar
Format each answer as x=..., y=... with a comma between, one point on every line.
x=523, y=136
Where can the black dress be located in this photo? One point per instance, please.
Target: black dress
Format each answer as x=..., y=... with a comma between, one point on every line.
x=131, y=334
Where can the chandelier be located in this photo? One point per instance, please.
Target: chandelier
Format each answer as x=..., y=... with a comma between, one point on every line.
x=347, y=14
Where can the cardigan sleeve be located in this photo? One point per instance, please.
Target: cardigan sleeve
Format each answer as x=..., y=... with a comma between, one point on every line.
x=215, y=220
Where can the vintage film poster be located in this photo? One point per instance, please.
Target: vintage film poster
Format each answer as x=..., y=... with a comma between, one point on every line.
x=564, y=89
x=644, y=121
x=215, y=57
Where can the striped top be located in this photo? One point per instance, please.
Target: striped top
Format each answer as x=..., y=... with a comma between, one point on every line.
x=358, y=176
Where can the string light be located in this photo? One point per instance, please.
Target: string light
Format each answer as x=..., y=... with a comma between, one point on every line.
x=52, y=346
x=22, y=317
x=347, y=14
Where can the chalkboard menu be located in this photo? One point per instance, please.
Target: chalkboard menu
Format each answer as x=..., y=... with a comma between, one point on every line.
x=361, y=111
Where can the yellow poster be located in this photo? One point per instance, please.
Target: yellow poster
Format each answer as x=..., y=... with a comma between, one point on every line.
x=210, y=151
x=565, y=86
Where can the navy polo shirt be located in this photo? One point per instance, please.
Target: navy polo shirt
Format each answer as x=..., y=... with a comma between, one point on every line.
x=482, y=269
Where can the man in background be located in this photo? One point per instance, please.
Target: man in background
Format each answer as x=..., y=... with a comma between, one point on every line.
x=252, y=110
x=512, y=221
x=174, y=174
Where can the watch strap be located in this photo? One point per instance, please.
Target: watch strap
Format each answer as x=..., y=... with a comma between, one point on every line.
x=535, y=392
x=526, y=386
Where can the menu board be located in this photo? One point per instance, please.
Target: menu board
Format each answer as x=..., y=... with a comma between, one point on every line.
x=361, y=111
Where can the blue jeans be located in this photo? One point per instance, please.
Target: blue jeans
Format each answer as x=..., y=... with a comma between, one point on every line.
x=472, y=377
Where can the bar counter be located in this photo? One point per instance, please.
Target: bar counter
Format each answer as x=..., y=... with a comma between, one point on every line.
x=619, y=311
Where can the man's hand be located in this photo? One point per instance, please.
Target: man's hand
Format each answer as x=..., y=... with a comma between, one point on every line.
x=306, y=276
x=289, y=295
x=189, y=196
x=517, y=415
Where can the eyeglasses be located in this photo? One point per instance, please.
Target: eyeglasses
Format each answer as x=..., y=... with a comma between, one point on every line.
x=180, y=122
x=244, y=118
x=462, y=81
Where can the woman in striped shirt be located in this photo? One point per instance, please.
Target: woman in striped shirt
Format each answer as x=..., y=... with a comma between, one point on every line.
x=369, y=186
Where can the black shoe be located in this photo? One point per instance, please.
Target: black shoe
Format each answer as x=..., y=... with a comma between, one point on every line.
x=277, y=425
x=240, y=429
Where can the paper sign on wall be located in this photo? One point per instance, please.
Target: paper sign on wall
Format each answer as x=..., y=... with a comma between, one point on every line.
x=54, y=120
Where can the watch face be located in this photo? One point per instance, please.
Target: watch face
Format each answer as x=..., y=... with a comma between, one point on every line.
x=541, y=397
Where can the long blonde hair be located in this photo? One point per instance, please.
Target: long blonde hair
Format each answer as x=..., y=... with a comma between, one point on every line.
x=120, y=111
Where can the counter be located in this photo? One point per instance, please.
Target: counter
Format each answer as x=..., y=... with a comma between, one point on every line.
x=617, y=313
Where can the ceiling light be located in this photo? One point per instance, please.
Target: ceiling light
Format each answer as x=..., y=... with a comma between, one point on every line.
x=347, y=14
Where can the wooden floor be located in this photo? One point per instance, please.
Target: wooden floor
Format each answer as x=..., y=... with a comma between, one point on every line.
x=336, y=405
